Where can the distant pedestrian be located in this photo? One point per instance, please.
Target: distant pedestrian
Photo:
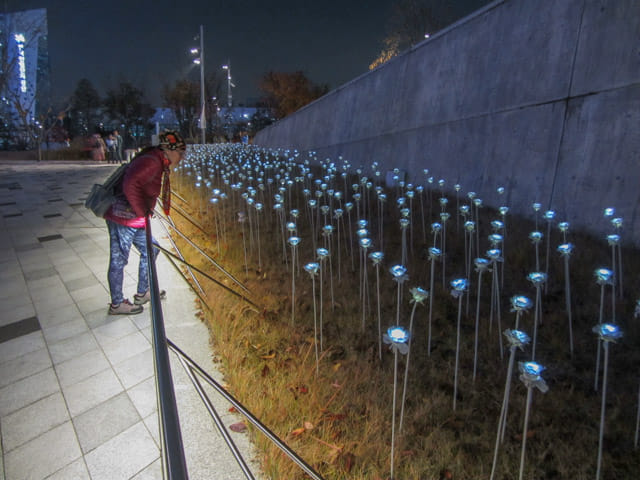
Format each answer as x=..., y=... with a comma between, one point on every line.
x=110, y=141
x=118, y=139
x=146, y=178
x=98, y=148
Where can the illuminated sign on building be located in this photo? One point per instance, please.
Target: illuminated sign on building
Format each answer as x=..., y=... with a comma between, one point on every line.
x=22, y=69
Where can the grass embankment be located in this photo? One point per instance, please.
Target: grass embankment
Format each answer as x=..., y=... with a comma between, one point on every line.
x=339, y=418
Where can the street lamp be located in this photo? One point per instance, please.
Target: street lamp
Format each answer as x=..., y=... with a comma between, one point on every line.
x=229, y=84
x=200, y=61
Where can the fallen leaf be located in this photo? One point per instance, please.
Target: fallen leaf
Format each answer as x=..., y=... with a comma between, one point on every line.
x=308, y=425
x=337, y=366
x=232, y=409
x=238, y=427
x=270, y=355
x=297, y=431
x=303, y=389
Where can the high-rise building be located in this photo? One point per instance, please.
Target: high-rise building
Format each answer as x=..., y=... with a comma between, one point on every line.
x=24, y=69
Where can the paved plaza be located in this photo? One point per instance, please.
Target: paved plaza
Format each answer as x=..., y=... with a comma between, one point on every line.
x=77, y=386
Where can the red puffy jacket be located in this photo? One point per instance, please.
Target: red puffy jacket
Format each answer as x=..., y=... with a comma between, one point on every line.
x=140, y=188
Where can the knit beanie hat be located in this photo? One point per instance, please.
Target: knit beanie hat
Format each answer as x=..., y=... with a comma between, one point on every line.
x=172, y=140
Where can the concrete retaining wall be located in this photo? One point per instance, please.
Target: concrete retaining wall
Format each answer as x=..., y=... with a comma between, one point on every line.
x=539, y=96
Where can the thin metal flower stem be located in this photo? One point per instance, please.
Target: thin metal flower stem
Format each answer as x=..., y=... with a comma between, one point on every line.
x=475, y=346
x=602, y=407
x=536, y=320
x=406, y=367
x=567, y=289
x=379, y=316
x=393, y=408
x=595, y=386
x=430, y=310
x=455, y=375
x=524, y=431
x=501, y=420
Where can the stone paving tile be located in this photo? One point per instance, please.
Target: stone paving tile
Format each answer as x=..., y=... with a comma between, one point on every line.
x=16, y=314
x=91, y=391
x=153, y=426
x=44, y=455
x=19, y=394
x=76, y=470
x=123, y=456
x=21, y=346
x=98, y=425
x=136, y=369
x=118, y=327
x=152, y=472
x=72, y=347
x=98, y=317
x=59, y=316
x=16, y=301
x=24, y=366
x=88, y=292
x=90, y=305
x=143, y=397
x=65, y=330
x=78, y=283
x=125, y=347
x=81, y=367
x=33, y=420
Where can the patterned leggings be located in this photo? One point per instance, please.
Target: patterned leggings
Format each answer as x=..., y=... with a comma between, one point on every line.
x=120, y=240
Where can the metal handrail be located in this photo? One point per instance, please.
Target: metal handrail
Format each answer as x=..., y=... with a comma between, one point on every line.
x=193, y=367
x=173, y=462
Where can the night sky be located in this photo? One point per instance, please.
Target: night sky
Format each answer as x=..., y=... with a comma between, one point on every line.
x=147, y=42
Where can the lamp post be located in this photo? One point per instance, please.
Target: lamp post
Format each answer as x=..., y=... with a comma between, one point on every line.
x=229, y=84
x=200, y=61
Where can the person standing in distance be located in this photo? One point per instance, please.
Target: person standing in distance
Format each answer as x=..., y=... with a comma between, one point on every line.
x=146, y=178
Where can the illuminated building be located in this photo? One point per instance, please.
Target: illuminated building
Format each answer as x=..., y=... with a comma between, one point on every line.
x=24, y=68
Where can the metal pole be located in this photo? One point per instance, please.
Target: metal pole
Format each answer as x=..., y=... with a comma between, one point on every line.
x=229, y=98
x=203, y=118
x=172, y=450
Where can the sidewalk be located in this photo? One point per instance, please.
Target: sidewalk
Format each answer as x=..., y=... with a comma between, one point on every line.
x=77, y=388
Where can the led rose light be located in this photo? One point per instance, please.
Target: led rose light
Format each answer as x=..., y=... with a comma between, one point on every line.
x=515, y=339
x=607, y=333
x=376, y=258
x=459, y=286
x=434, y=254
x=536, y=208
x=482, y=265
x=322, y=254
x=294, y=242
x=564, y=228
x=495, y=255
x=530, y=376
x=418, y=295
x=399, y=274
x=312, y=269
x=398, y=338
x=365, y=243
x=497, y=225
x=565, y=251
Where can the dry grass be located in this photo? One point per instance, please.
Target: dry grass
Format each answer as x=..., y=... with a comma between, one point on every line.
x=340, y=420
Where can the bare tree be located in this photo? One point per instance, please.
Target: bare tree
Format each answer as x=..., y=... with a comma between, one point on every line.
x=412, y=20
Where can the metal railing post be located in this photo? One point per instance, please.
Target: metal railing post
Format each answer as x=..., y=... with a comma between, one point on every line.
x=173, y=462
